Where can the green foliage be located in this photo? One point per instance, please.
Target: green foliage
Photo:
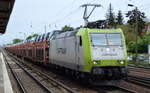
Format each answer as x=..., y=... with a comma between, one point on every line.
x=142, y=45
x=31, y=36
x=140, y=18
x=67, y=28
x=119, y=18
x=130, y=34
x=15, y=41
x=110, y=16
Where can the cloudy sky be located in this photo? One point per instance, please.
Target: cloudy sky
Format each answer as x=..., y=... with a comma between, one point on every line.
x=31, y=16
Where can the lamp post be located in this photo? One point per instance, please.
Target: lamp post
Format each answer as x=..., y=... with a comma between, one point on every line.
x=136, y=30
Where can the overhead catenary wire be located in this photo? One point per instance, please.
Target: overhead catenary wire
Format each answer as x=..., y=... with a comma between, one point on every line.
x=66, y=16
x=63, y=18
x=65, y=7
x=72, y=12
x=59, y=20
x=55, y=23
x=69, y=14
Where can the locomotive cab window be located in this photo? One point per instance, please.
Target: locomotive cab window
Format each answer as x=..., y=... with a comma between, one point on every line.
x=98, y=39
x=114, y=39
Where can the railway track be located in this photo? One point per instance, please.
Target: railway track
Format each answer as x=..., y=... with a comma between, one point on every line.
x=19, y=83
x=139, y=67
x=49, y=85
x=106, y=89
x=139, y=80
x=138, y=76
x=113, y=89
x=18, y=73
x=73, y=84
x=143, y=70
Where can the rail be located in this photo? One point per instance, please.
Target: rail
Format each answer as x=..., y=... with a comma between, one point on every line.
x=139, y=80
x=23, y=90
x=113, y=89
x=39, y=73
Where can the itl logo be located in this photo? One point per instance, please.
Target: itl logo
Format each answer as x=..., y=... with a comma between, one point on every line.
x=61, y=50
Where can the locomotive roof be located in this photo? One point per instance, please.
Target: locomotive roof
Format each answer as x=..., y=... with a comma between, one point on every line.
x=83, y=30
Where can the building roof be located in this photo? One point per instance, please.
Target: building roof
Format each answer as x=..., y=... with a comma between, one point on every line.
x=6, y=7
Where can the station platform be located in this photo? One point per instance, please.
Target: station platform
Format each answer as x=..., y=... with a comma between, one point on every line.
x=5, y=84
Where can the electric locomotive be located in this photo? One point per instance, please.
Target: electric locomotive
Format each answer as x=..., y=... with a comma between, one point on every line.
x=87, y=52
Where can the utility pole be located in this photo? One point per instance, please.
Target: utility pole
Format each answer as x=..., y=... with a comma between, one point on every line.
x=136, y=31
x=86, y=15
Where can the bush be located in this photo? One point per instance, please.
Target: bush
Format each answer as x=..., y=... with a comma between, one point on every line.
x=142, y=45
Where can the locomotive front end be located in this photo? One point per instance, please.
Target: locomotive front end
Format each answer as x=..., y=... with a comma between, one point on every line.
x=108, y=54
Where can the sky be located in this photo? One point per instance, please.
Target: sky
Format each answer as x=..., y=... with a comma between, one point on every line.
x=40, y=16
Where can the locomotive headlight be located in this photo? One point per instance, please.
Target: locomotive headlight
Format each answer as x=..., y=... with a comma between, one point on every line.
x=121, y=62
x=94, y=62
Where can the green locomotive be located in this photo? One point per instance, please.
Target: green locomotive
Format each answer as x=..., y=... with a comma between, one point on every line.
x=90, y=52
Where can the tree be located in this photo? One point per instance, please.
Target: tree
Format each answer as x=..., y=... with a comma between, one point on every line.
x=15, y=41
x=31, y=36
x=142, y=45
x=67, y=28
x=110, y=16
x=128, y=32
x=140, y=18
x=119, y=18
